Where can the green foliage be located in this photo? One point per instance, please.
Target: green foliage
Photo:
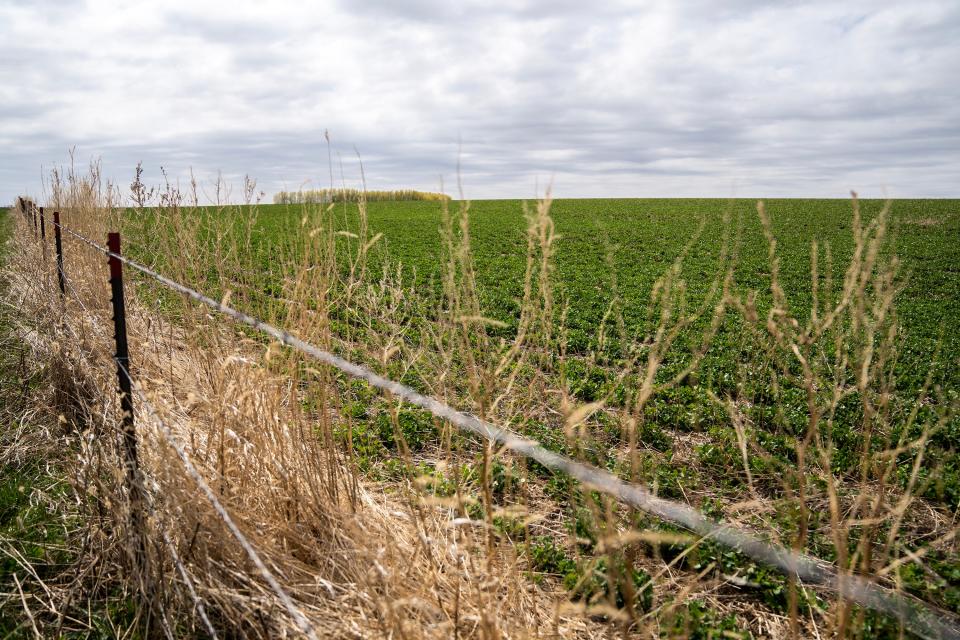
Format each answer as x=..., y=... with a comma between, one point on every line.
x=938, y=582
x=548, y=557
x=669, y=478
x=586, y=382
x=593, y=579
x=504, y=482
x=613, y=579
x=563, y=489
x=653, y=435
x=511, y=528
x=374, y=432
x=684, y=408
x=582, y=526
x=34, y=529
x=416, y=427
x=694, y=620
x=769, y=586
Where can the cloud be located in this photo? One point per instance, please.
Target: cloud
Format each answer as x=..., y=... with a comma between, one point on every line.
x=619, y=99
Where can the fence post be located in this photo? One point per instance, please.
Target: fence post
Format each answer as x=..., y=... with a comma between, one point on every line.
x=58, y=243
x=33, y=208
x=43, y=238
x=124, y=374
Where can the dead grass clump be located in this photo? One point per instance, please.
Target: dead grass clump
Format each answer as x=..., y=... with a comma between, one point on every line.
x=926, y=222
x=326, y=196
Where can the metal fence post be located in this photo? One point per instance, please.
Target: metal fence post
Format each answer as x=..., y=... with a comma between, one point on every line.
x=124, y=381
x=43, y=238
x=59, y=244
x=120, y=334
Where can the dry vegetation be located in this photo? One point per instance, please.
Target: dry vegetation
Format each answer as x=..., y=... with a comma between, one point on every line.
x=326, y=196
x=448, y=537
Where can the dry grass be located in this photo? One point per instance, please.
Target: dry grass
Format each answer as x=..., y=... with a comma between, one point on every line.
x=326, y=196
x=927, y=222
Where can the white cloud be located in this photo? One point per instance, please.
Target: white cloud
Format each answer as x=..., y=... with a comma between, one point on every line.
x=619, y=99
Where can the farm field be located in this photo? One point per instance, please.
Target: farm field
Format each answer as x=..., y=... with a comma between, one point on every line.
x=640, y=239
x=607, y=259
x=611, y=252
x=700, y=348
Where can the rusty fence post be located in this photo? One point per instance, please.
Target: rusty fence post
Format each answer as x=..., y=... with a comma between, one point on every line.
x=61, y=280
x=43, y=239
x=124, y=375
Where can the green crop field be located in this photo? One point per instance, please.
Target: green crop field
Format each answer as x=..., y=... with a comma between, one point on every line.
x=625, y=245
x=639, y=239
x=607, y=259
x=611, y=252
x=614, y=250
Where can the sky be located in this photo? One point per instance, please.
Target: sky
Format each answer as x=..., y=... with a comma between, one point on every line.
x=678, y=98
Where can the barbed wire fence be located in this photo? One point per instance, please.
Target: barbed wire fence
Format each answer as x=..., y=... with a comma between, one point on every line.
x=68, y=291
x=915, y=615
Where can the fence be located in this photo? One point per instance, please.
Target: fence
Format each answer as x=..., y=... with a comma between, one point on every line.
x=916, y=616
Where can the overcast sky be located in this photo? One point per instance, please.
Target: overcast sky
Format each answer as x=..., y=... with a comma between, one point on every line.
x=600, y=98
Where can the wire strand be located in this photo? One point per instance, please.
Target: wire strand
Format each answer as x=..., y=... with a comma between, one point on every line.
x=201, y=610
